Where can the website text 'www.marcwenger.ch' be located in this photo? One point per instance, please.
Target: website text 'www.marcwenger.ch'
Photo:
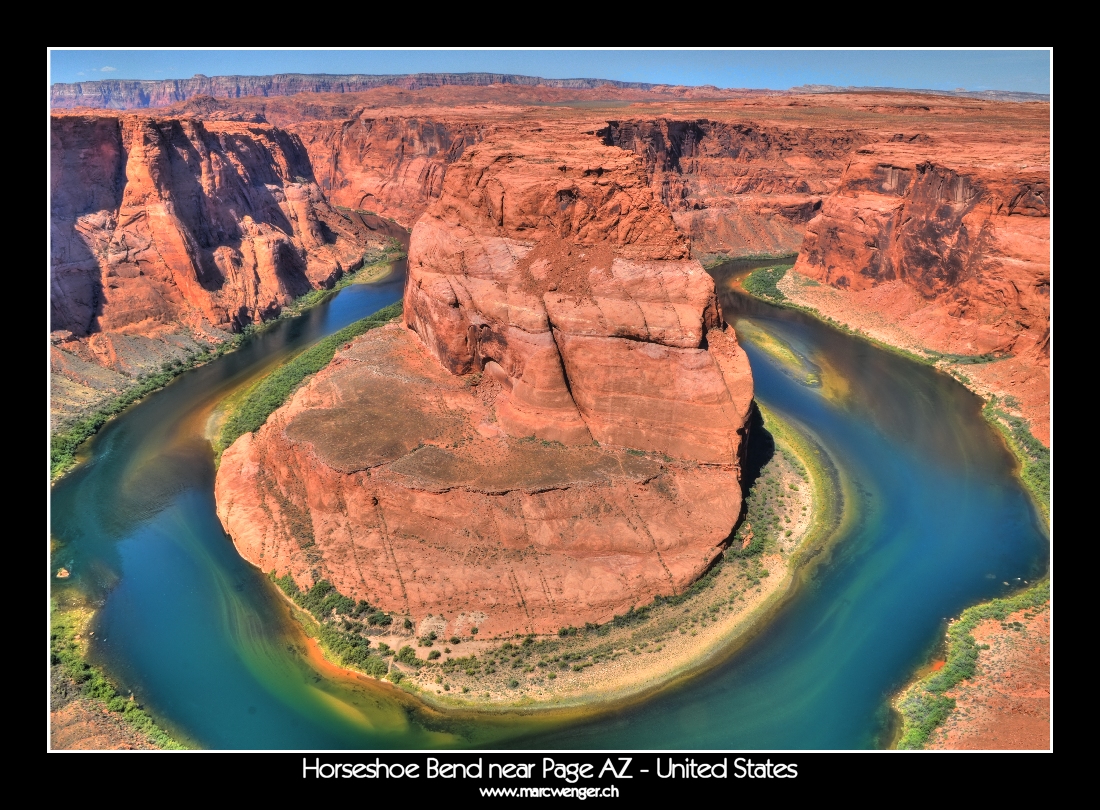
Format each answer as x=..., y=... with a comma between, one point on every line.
x=574, y=792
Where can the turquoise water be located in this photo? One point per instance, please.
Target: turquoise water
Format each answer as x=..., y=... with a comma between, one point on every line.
x=204, y=641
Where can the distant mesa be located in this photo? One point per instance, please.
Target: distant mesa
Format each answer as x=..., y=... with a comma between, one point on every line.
x=129, y=94
x=989, y=95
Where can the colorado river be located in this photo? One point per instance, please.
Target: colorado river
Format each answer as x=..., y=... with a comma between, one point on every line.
x=938, y=523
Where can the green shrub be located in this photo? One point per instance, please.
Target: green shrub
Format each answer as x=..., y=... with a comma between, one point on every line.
x=339, y=636
x=925, y=706
x=376, y=666
x=1033, y=455
x=65, y=652
x=762, y=282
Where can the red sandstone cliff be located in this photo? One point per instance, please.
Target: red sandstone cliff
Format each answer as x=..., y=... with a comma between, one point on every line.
x=549, y=264
x=739, y=188
x=165, y=231
x=475, y=464
x=391, y=165
x=950, y=242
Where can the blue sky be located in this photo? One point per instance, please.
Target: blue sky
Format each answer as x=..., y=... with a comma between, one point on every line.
x=1027, y=71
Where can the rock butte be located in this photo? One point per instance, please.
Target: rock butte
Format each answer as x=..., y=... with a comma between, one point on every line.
x=927, y=212
x=554, y=434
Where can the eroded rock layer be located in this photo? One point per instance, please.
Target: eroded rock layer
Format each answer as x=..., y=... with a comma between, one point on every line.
x=549, y=264
x=739, y=188
x=168, y=233
x=554, y=434
x=950, y=242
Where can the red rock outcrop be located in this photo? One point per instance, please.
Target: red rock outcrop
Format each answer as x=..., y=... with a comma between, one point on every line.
x=167, y=232
x=739, y=187
x=548, y=263
x=184, y=221
x=555, y=436
x=950, y=240
x=391, y=165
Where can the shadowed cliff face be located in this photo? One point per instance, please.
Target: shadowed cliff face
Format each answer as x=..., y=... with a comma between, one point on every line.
x=180, y=221
x=738, y=188
x=168, y=232
x=485, y=460
x=951, y=244
x=391, y=165
x=899, y=214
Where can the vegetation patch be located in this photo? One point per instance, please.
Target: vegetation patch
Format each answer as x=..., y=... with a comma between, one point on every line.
x=273, y=390
x=763, y=282
x=924, y=706
x=1033, y=455
x=344, y=625
x=711, y=260
x=66, y=653
x=966, y=359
